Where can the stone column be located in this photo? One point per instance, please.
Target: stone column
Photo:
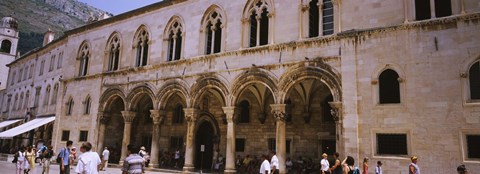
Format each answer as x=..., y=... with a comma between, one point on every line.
x=157, y=116
x=230, y=154
x=128, y=117
x=103, y=120
x=279, y=114
x=191, y=117
x=337, y=116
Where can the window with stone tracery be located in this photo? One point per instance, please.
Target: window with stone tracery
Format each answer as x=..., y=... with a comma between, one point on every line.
x=21, y=102
x=54, y=95
x=47, y=96
x=70, y=104
x=86, y=106
x=141, y=42
x=114, y=54
x=27, y=97
x=259, y=19
x=318, y=18
x=175, y=39
x=83, y=56
x=213, y=28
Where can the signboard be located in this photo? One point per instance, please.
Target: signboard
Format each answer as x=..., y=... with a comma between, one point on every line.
x=202, y=148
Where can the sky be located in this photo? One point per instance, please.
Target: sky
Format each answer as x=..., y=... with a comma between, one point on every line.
x=118, y=6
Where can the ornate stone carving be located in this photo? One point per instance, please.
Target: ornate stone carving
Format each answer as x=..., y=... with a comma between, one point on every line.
x=157, y=116
x=336, y=110
x=278, y=111
x=230, y=114
x=128, y=116
x=463, y=75
x=190, y=114
x=103, y=118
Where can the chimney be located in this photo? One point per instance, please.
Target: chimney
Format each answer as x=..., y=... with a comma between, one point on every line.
x=48, y=37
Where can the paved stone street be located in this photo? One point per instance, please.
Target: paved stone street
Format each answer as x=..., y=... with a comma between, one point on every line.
x=9, y=168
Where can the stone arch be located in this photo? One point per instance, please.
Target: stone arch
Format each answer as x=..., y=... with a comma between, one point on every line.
x=382, y=68
x=206, y=83
x=249, y=6
x=142, y=27
x=170, y=88
x=171, y=21
x=133, y=98
x=219, y=22
x=111, y=37
x=254, y=75
x=324, y=73
x=174, y=38
x=110, y=95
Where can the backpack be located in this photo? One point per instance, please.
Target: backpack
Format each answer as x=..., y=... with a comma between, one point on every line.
x=356, y=171
x=58, y=160
x=48, y=153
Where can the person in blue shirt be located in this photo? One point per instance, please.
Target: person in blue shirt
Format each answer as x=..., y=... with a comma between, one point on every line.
x=65, y=161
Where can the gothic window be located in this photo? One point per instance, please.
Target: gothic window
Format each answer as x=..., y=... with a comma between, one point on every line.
x=389, y=87
x=6, y=46
x=258, y=15
x=27, y=97
x=141, y=42
x=37, y=97
x=178, y=114
x=47, y=96
x=20, y=73
x=424, y=10
x=42, y=65
x=12, y=80
x=54, y=95
x=244, y=112
x=83, y=56
x=114, y=53
x=392, y=144
x=25, y=73
x=70, y=104
x=313, y=19
x=52, y=63
x=60, y=60
x=327, y=17
x=31, y=71
x=474, y=79
x=15, y=102
x=213, y=28
x=175, y=37
x=20, y=103
x=86, y=106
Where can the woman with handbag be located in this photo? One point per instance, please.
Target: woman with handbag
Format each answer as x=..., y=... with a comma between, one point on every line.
x=21, y=161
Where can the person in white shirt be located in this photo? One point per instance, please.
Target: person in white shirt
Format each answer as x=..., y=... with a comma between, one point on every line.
x=89, y=162
x=274, y=162
x=325, y=165
x=265, y=167
x=378, y=169
x=105, y=156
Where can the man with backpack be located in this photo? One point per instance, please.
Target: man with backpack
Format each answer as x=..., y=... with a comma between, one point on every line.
x=47, y=156
x=63, y=158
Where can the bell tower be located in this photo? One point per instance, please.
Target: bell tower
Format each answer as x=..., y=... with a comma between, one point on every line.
x=8, y=46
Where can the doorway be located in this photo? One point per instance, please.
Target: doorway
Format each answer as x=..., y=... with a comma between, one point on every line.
x=204, y=136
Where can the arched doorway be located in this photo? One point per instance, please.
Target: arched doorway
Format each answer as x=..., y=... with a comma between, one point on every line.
x=205, y=136
x=114, y=129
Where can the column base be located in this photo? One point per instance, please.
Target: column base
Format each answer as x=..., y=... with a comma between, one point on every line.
x=188, y=169
x=230, y=171
x=120, y=162
x=153, y=165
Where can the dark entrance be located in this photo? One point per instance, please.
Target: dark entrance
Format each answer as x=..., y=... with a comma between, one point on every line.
x=205, y=136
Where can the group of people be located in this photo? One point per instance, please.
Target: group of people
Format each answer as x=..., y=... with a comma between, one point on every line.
x=25, y=159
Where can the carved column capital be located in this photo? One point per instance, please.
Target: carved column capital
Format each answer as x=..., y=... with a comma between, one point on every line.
x=230, y=113
x=336, y=110
x=128, y=116
x=191, y=114
x=278, y=111
x=103, y=117
x=157, y=116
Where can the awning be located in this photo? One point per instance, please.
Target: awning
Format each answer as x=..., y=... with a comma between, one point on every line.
x=25, y=127
x=8, y=122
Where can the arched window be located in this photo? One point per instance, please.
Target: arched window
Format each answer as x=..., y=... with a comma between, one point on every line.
x=70, y=104
x=86, y=106
x=47, y=96
x=178, y=114
x=83, y=56
x=54, y=95
x=27, y=97
x=259, y=19
x=114, y=53
x=313, y=18
x=141, y=43
x=15, y=103
x=175, y=37
x=244, y=112
x=213, y=30
x=21, y=102
x=6, y=46
x=389, y=87
x=474, y=79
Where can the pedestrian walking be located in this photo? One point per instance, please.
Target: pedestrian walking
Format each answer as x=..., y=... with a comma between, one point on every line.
x=265, y=167
x=105, y=156
x=378, y=169
x=30, y=156
x=133, y=163
x=461, y=169
x=274, y=163
x=47, y=159
x=413, y=167
x=22, y=162
x=365, y=165
x=89, y=162
x=337, y=167
x=65, y=158
x=348, y=165
x=324, y=164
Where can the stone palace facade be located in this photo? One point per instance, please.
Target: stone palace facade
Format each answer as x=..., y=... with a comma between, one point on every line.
x=380, y=79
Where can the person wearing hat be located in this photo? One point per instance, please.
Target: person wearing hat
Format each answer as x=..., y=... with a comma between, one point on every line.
x=461, y=169
x=378, y=169
x=413, y=167
x=325, y=165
